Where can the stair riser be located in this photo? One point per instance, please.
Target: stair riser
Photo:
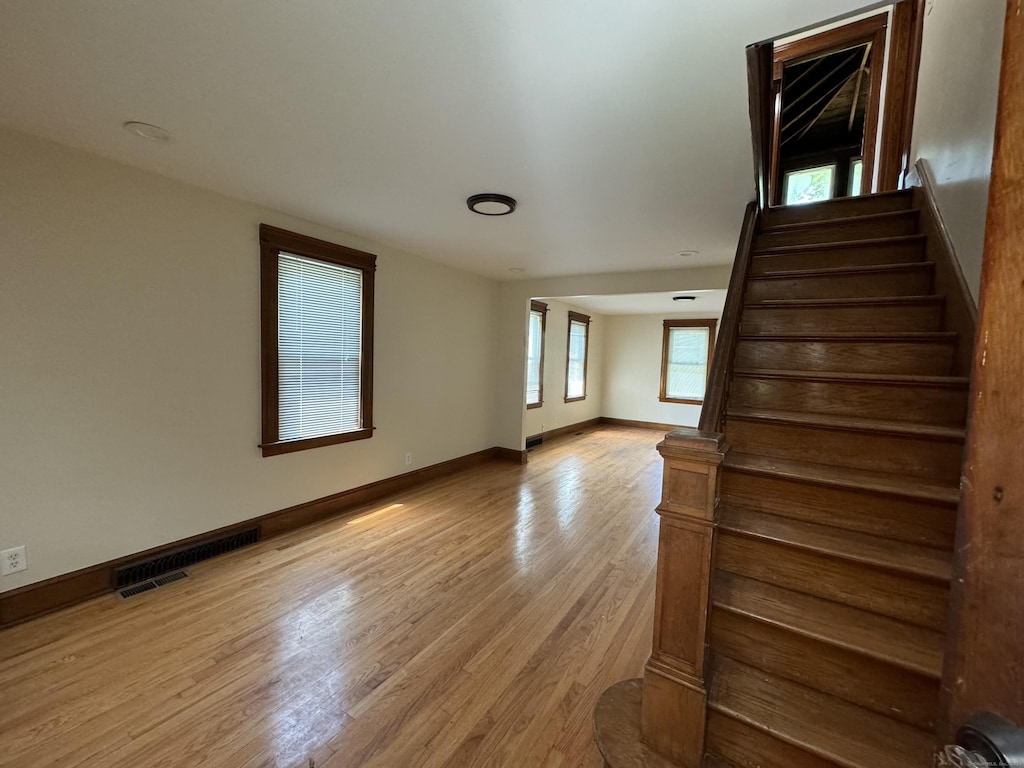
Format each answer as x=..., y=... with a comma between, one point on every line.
x=916, y=522
x=914, y=358
x=878, y=452
x=873, y=589
x=940, y=405
x=746, y=747
x=857, y=319
x=826, y=257
x=838, y=231
x=912, y=282
x=861, y=680
x=837, y=209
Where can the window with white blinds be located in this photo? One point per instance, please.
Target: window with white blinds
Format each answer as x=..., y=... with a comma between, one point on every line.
x=317, y=342
x=319, y=329
x=686, y=356
x=576, y=357
x=535, y=355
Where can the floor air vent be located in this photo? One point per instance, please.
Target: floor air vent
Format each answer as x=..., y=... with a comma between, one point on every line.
x=144, y=570
x=138, y=589
x=532, y=442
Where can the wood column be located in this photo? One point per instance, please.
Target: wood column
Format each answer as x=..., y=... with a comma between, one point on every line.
x=984, y=666
x=674, y=690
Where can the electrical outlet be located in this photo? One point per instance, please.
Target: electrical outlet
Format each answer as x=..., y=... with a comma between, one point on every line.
x=408, y=459
x=13, y=560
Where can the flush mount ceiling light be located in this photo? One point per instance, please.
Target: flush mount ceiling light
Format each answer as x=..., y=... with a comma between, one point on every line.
x=147, y=131
x=686, y=254
x=491, y=204
x=684, y=298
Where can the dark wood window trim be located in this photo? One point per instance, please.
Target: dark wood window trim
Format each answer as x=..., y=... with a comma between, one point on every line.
x=585, y=320
x=274, y=241
x=667, y=326
x=542, y=308
x=870, y=30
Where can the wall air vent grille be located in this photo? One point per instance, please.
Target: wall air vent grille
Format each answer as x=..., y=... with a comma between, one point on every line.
x=143, y=570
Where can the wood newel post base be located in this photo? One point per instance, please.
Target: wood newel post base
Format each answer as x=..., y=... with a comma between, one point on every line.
x=674, y=698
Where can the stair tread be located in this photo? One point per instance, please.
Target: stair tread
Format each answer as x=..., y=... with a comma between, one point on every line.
x=824, y=725
x=843, y=477
x=909, y=266
x=860, y=218
x=854, y=302
x=900, y=556
x=776, y=250
x=852, y=423
x=880, y=637
x=867, y=378
x=866, y=336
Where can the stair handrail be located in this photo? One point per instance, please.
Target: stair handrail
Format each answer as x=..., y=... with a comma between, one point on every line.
x=717, y=391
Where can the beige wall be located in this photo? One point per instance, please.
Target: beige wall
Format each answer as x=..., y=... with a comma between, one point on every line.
x=556, y=412
x=632, y=372
x=954, y=121
x=129, y=388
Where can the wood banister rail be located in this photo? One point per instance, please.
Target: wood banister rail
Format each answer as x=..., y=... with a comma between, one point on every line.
x=721, y=363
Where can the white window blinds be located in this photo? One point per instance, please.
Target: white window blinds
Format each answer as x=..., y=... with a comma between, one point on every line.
x=575, y=384
x=686, y=363
x=534, y=347
x=319, y=347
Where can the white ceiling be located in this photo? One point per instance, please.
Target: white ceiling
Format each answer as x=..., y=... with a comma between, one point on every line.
x=620, y=127
x=707, y=303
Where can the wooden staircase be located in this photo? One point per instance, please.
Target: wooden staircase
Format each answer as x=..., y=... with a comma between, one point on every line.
x=838, y=495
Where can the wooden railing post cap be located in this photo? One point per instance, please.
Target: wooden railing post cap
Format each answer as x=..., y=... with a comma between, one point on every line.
x=693, y=441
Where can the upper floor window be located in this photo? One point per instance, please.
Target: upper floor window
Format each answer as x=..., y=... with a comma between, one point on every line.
x=317, y=342
x=576, y=357
x=809, y=185
x=535, y=354
x=686, y=351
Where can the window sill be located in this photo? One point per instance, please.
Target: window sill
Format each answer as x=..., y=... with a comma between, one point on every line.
x=684, y=402
x=530, y=406
x=575, y=399
x=290, y=446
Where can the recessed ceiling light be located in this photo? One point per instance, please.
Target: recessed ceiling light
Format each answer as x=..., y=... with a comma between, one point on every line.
x=491, y=204
x=686, y=254
x=147, y=131
x=684, y=298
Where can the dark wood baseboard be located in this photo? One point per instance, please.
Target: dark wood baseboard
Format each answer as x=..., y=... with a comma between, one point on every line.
x=510, y=454
x=961, y=310
x=567, y=429
x=62, y=591
x=641, y=424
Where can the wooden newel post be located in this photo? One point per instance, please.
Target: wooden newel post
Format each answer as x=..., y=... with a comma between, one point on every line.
x=674, y=692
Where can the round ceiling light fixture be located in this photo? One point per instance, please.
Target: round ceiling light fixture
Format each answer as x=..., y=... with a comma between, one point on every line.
x=491, y=204
x=687, y=254
x=684, y=298
x=147, y=131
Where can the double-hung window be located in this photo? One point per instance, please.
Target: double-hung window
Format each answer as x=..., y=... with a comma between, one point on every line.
x=576, y=357
x=686, y=350
x=317, y=342
x=535, y=354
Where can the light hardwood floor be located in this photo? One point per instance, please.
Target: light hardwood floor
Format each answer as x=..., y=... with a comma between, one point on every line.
x=469, y=622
